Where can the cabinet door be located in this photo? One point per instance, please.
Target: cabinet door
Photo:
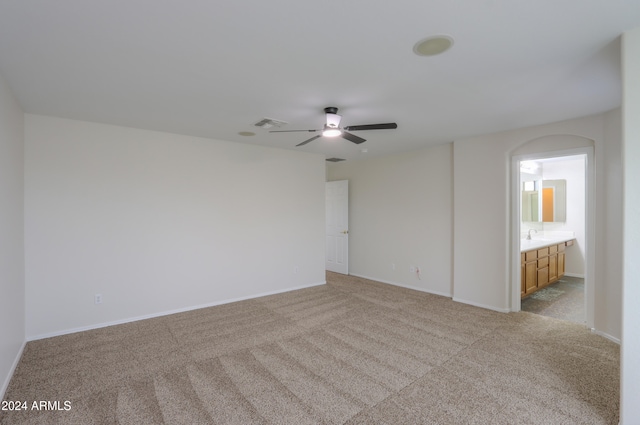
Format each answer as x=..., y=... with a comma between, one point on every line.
x=530, y=277
x=561, y=256
x=553, y=267
x=543, y=277
x=523, y=287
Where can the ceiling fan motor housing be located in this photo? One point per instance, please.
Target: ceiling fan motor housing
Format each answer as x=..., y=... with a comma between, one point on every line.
x=333, y=119
x=330, y=110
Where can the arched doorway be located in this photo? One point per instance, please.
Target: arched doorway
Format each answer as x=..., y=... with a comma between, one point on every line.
x=544, y=148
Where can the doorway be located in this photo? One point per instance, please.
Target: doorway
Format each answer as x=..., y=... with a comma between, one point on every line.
x=337, y=226
x=564, y=224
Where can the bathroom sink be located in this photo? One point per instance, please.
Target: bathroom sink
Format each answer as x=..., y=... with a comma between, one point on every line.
x=528, y=243
x=538, y=242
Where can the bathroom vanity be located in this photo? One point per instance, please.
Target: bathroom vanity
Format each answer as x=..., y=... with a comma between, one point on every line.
x=542, y=263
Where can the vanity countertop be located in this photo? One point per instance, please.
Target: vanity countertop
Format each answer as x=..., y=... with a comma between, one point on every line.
x=536, y=243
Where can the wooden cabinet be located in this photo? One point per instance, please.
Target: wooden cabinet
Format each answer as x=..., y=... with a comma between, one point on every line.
x=553, y=267
x=561, y=257
x=523, y=289
x=542, y=267
x=530, y=271
x=543, y=277
x=553, y=263
x=530, y=277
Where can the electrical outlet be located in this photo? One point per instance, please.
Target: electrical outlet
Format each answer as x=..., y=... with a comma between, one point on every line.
x=296, y=269
x=97, y=299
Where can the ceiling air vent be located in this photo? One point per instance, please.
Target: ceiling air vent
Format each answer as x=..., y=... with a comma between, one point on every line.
x=270, y=122
x=335, y=159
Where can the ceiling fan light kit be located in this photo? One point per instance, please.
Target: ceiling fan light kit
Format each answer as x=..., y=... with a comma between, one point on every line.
x=331, y=131
x=332, y=128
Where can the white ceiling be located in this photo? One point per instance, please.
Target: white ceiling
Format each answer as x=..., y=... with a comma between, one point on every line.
x=214, y=68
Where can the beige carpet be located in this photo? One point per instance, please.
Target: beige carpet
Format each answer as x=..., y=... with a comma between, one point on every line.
x=352, y=351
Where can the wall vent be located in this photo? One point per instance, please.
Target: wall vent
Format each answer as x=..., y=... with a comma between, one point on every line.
x=335, y=159
x=270, y=122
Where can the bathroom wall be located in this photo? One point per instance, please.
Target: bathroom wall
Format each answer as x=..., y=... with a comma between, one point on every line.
x=573, y=171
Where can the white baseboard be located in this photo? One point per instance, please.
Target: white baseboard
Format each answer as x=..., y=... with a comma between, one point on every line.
x=166, y=313
x=606, y=335
x=415, y=288
x=581, y=276
x=5, y=384
x=488, y=307
x=448, y=295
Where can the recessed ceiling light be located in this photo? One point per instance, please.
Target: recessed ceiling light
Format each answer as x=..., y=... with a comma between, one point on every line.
x=246, y=133
x=433, y=45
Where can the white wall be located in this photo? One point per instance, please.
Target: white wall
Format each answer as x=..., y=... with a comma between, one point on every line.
x=630, y=394
x=12, y=293
x=400, y=212
x=482, y=244
x=609, y=231
x=157, y=222
x=480, y=222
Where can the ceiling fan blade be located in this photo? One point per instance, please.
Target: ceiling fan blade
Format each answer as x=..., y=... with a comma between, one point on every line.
x=291, y=131
x=352, y=137
x=309, y=140
x=385, y=126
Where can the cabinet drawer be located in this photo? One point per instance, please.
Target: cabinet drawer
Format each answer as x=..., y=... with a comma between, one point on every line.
x=531, y=255
x=553, y=249
x=543, y=252
x=543, y=262
x=569, y=243
x=561, y=247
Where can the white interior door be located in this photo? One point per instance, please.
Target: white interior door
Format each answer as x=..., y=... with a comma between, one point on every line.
x=337, y=233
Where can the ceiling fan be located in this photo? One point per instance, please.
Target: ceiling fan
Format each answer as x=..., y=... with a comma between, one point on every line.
x=332, y=128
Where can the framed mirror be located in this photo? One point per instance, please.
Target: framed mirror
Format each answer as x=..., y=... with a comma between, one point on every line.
x=544, y=201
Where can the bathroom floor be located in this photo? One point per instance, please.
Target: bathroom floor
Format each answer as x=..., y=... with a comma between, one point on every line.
x=562, y=300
